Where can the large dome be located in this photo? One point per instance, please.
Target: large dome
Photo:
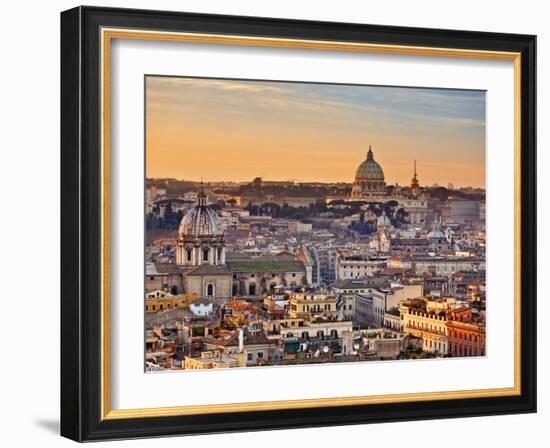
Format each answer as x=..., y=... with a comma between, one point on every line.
x=369, y=170
x=200, y=221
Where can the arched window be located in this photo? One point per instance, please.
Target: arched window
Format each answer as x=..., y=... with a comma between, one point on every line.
x=210, y=290
x=189, y=253
x=205, y=255
x=252, y=289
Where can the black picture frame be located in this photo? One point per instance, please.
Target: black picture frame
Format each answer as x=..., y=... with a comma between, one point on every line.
x=81, y=224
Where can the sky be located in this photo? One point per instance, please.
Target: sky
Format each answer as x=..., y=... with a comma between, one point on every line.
x=235, y=130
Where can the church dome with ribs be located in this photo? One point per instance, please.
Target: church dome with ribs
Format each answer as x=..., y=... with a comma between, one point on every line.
x=369, y=170
x=200, y=221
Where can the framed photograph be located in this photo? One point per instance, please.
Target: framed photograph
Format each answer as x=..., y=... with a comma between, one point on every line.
x=274, y=223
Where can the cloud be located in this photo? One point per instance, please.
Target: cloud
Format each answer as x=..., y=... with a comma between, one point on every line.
x=450, y=122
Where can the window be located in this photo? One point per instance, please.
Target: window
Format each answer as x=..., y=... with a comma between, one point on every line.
x=205, y=255
x=189, y=254
x=252, y=289
x=210, y=290
x=260, y=355
x=249, y=356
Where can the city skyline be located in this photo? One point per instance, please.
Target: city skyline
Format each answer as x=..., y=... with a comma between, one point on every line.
x=350, y=268
x=221, y=130
x=207, y=182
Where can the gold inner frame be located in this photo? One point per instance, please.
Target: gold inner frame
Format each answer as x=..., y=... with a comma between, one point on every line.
x=107, y=35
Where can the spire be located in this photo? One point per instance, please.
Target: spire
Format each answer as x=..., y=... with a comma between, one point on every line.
x=414, y=182
x=201, y=196
x=369, y=154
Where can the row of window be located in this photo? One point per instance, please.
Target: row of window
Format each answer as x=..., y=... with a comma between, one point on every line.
x=426, y=327
x=320, y=334
x=460, y=350
x=435, y=345
x=466, y=337
x=250, y=356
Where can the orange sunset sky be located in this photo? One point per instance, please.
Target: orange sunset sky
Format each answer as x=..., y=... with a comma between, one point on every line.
x=235, y=130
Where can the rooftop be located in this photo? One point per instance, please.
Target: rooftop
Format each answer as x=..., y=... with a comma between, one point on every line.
x=265, y=264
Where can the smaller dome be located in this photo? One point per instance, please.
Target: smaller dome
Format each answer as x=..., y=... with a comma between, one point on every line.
x=200, y=221
x=436, y=234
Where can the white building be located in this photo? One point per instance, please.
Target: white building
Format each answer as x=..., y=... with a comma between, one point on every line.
x=353, y=266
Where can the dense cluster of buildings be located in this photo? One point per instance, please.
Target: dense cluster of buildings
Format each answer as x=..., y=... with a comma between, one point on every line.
x=256, y=275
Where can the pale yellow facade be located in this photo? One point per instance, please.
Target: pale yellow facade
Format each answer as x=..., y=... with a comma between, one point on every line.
x=312, y=305
x=431, y=327
x=214, y=360
x=168, y=302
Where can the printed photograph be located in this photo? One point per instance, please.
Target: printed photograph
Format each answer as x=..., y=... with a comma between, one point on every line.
x=291, y=223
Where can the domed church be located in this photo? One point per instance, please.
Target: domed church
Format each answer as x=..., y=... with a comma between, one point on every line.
x=200, y=240
x=200, y=252
x=201, y=266
x=370, y=185
x=369, y=179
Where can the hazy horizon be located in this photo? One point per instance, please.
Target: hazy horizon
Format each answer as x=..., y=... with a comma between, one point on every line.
x=206, y=182
x=233, y=130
